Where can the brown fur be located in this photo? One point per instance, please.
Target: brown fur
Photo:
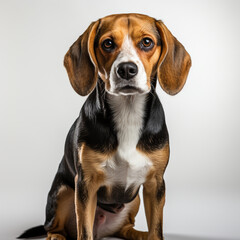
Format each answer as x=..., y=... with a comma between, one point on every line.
x=140, y=26
x=85, y=212
x=64, y=216
x=71, y=212
x=84, y=61
x=54, y=236
x=127, y=231
x=93, y=178
x=80, y=62
x=154, y=192
x=174, y=63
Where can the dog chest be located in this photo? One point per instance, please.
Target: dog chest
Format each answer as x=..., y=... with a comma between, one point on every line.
x=128, y=167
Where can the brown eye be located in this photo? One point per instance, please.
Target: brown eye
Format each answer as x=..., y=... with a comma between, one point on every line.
x=146, y=44
x=108, y=45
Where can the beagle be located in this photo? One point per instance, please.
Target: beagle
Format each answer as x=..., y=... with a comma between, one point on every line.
x=120, y=139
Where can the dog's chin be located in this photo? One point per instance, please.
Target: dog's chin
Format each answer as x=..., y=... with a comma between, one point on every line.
x=128, y=91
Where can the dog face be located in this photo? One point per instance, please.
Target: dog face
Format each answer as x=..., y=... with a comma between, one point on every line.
x=127, y=51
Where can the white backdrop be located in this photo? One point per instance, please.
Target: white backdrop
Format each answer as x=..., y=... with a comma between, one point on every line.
x=38, y=107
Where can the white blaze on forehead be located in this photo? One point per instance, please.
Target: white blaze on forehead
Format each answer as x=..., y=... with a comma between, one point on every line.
x=128, y=53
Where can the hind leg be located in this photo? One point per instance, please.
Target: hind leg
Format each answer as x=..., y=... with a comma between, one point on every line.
x=127, y=231
x=60, y=214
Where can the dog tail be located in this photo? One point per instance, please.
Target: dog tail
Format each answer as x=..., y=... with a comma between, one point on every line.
x=34, y=232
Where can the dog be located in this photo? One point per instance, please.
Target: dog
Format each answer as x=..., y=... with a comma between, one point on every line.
x=120, y=140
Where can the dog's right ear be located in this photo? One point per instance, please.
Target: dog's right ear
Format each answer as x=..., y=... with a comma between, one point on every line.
x=80, y=62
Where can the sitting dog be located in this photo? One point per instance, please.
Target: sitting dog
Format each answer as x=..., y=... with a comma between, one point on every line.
x=120, y=139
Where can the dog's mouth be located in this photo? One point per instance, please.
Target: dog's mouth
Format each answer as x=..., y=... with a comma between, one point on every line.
x=128, y=90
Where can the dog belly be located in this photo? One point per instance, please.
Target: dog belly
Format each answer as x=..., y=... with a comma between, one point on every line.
x=107, y=223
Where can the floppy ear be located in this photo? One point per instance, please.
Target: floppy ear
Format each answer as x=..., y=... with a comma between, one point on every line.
x=174, y=62
x=80, y=62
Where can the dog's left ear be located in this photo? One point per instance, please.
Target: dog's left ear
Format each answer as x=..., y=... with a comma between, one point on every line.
x=174, y=62
x=80, y=62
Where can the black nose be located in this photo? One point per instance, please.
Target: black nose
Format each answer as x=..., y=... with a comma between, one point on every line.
x=127, y=70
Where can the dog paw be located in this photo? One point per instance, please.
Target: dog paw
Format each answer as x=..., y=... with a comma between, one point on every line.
x=54, y=236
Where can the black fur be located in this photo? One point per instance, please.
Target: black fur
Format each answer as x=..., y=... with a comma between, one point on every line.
x=35, y=231
x=82, y=191
x=84, y=233
x=160, y=230
x=160, y=190
x=95, y=128
x=154, y=134
x=113, y=208
x=118, y=195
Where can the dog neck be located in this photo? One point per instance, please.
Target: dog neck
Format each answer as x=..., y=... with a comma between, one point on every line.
x=122, y=120
x=128, y=118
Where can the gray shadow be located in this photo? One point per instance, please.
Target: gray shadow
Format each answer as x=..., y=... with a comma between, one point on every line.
x=175, y=237
x=181, y=237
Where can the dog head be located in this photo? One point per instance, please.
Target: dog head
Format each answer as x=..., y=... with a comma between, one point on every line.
x=127, y=51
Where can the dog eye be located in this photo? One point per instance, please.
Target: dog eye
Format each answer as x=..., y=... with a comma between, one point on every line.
x=108, y=45
x=146, y=44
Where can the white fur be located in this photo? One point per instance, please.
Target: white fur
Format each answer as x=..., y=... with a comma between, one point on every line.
x=128, y=166
x=128, y=54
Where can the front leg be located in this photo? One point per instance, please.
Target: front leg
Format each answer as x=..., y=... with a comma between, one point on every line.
x=154, y=199
x=85, y=207
x=87, y=182
x=154, y=193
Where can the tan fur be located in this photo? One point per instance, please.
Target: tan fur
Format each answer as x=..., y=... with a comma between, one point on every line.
x=159, y=159
x=154, y=213
x=141, y=26
x=85, y=213
x=174, y=63
x=154, y=206
x=127, y=231
x=80, y=62
x=91, y=164
x=64, y=213
x=84, y=61
x=93, y=177
x=55, y=237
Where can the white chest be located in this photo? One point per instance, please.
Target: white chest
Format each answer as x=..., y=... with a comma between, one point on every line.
x=128, y=167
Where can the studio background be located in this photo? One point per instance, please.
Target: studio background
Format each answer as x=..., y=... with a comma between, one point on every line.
x=38, y=106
